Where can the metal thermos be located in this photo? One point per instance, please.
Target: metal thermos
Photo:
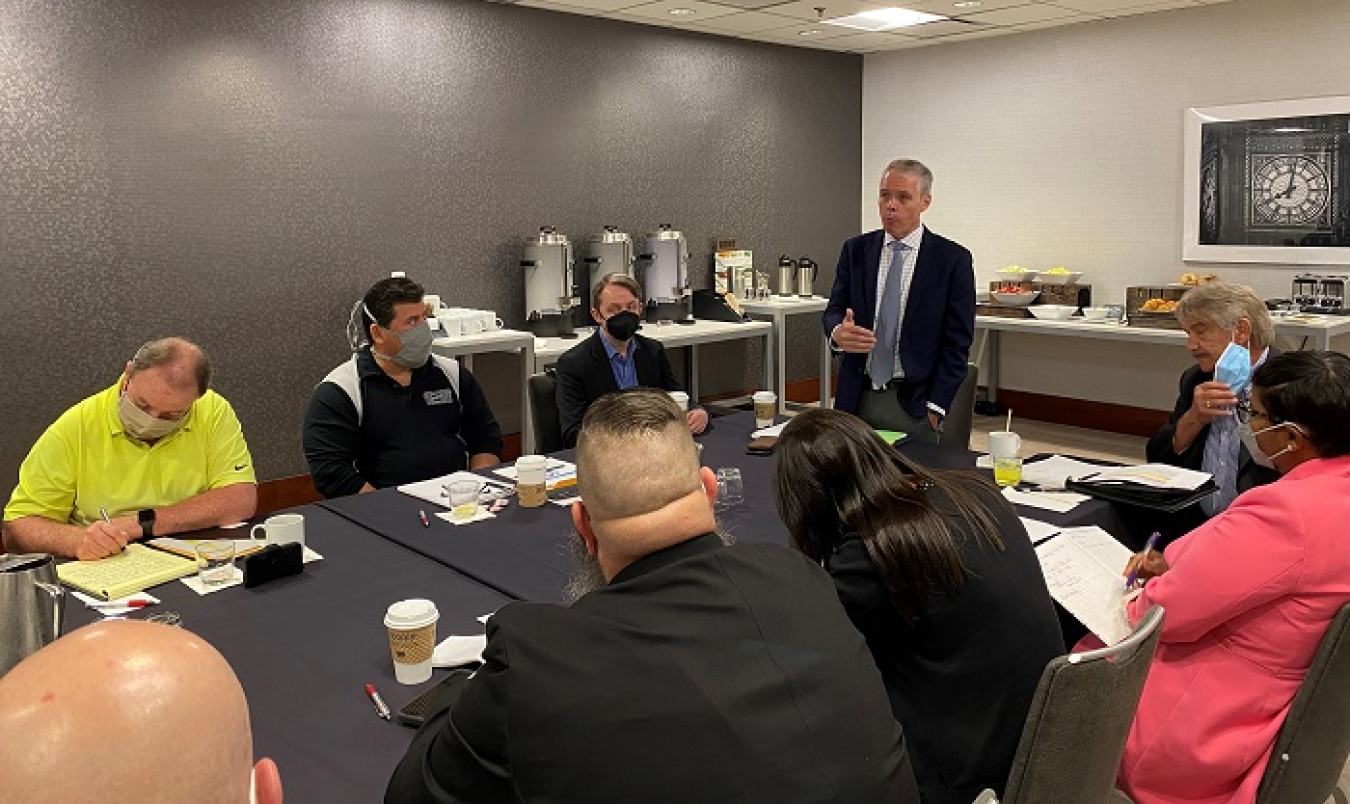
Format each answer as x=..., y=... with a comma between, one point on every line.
x=609, y=252
x=787, y=270
x=806, y=277
x=32, y=603
x=665, y=274
x=549, y=296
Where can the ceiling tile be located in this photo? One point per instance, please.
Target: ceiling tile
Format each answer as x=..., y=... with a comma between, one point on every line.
x=932, y=29
x=951, y=8
x=661, y=11
x=1018, y=15
x=805, y=10
x=1110, y=6
x=1148, y=8
x=746, y=22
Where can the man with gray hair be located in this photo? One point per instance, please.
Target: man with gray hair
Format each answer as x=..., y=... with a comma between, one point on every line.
x=694, y=672
x=902, y=310
x=1229, y=333
x=158, y=451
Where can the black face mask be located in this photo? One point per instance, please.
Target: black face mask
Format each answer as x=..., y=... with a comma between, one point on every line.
x=621, y=326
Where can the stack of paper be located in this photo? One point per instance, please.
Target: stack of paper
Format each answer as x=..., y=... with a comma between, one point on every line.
x=134, y=569
x=1084, y=570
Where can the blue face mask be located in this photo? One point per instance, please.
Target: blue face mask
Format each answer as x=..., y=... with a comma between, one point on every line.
x=1234, y=367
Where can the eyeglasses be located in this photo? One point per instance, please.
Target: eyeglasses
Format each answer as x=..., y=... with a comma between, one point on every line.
x=1245, y=413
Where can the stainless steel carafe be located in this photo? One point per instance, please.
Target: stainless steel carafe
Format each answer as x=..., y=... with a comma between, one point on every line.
x=806, y=277
x=32, y=603
x=549, y=292
x=787, y=270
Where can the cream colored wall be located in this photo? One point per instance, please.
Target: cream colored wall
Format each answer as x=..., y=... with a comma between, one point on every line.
x=1064, y=146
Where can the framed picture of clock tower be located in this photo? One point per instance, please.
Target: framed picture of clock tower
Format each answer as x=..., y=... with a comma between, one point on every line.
x=1268, y=182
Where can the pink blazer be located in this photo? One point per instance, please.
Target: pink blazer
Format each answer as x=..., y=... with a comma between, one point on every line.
x=1248, y=597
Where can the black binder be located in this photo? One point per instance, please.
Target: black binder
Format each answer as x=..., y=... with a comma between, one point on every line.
x=1166, y=500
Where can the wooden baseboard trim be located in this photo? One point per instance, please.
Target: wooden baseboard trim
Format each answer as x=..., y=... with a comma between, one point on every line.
x=1105, y=416
x=804, y=390
x=286, y=492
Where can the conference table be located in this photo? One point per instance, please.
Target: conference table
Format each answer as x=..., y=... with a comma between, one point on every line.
x=524, y=552
x=305, y=646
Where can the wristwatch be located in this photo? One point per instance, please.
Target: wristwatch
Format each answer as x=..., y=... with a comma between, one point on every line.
x=146, y=516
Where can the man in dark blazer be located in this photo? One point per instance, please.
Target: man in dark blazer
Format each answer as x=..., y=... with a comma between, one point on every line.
x=1213, y=316
x=693, y=672
x=615, y=358
x=905, y=333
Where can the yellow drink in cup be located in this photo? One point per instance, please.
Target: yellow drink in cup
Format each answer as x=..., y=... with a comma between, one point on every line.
x=1007, y=471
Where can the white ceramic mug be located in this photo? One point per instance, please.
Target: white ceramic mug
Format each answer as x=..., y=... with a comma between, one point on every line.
x=433, y=301
x=282, y=529
x=490, y=320
x=455, y=322
x=1004, y=444
x=473, y=322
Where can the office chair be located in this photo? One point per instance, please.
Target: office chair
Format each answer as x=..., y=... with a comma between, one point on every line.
x=1312, y=746
x=956, y=427
x=544, y=412
x=1080, y=717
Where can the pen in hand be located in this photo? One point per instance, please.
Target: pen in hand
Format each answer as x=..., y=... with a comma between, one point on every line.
x=103, y=512
x=1134, y=573
x=380, y=708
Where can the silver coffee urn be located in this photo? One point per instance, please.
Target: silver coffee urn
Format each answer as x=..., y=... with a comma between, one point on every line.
x=787, y=270
x=609, y=252
x=806, y=277
x=549, y=296
x=664, y=275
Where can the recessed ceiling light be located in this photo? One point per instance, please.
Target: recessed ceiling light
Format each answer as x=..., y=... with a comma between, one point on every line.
x=681, y=12
x=811, y=32
x=884, y=19
x=967, y=4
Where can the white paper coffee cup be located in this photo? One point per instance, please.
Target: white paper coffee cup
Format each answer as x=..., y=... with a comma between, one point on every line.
x=681, y=399
x=412, y=638
x=531, y=480
x=766, y=407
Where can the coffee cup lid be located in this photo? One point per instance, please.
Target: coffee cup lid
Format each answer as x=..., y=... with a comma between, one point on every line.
x=531, y=460
x=413, y=613
x=765, y=396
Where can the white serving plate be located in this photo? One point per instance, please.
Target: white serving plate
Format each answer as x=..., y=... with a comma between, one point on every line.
x=1053, y=312
x=1016, y=299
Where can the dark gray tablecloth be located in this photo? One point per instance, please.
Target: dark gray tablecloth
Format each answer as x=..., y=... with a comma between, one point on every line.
x=523, y=551
x=304, y=648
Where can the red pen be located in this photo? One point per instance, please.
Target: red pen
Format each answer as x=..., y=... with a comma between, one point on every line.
x=130, y=604
x=380, y=708
x=422, y=515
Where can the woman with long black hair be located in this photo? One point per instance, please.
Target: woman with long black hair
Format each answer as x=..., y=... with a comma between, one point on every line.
x=937, y=572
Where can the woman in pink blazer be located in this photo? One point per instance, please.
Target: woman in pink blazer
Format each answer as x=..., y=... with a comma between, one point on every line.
x=1248, y=595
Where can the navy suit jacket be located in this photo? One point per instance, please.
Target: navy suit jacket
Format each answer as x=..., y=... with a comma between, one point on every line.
x=939, y=320
x=584, y=374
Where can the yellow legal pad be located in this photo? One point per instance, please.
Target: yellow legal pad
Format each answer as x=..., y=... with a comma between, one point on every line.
x=135, y=569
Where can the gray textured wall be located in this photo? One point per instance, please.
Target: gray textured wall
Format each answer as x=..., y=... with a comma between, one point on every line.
x=239, y=172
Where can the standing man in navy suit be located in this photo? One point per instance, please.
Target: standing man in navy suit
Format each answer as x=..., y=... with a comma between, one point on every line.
x=902, y=310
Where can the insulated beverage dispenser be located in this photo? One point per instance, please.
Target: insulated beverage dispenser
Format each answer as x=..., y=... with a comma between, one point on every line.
x=806, y=277
x=549, y=297
x=787, y=270
x=609, y=252
x=665, y=274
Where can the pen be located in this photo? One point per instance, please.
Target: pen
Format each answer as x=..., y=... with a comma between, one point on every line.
x=103, y=512
x=422, y=515
x=1148, y=548
x=130, y=604
x=380, y=708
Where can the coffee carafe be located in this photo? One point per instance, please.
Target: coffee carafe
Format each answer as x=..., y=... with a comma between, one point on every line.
x=806, y=277
x=787, y=270
x=32, y=603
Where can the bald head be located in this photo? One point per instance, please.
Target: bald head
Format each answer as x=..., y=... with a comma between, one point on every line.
x=125, y=712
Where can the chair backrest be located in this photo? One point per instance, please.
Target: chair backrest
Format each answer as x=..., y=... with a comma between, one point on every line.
x=1080, y=716
x=961, y=415
x=1313, y=744
x=544, y=413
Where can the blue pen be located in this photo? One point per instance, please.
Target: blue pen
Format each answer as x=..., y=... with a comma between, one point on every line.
x=1148, y=548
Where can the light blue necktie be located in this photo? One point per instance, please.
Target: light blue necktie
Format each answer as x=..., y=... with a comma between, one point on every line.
x=887, y=329
x=1220, y=459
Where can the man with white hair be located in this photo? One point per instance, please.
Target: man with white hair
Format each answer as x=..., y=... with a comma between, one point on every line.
x=693, y=671
x=129, y=712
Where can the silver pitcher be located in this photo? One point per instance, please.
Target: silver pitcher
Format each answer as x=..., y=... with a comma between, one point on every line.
x=806, y=277
x=32, y=604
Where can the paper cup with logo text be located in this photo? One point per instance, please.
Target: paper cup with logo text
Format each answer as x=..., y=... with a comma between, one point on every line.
x=532, y=480
x=412, y=638
x=766, y=407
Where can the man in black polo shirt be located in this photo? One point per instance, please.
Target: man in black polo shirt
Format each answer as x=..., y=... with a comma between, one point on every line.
x=395, y=413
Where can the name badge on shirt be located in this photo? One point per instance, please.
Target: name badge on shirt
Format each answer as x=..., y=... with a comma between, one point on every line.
x=445, y=396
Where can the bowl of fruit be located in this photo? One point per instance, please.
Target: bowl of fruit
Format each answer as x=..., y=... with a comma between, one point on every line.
x=1059, y=275
x=1015, y=273
x=1014, y=296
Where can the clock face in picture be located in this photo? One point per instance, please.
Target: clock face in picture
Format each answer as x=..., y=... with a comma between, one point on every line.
x=1289, y=190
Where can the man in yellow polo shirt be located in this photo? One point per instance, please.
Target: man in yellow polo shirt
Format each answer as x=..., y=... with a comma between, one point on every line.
x=159, y=451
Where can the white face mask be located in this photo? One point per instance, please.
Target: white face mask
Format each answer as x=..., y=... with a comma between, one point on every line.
x=1248, y=439
x=142, y=425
